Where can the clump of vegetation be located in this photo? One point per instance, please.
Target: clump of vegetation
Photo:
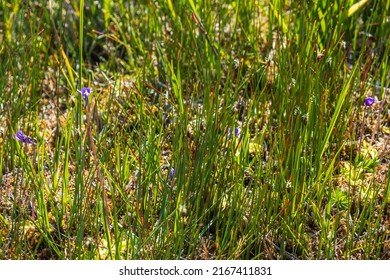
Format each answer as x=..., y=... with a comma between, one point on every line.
x=194, y=130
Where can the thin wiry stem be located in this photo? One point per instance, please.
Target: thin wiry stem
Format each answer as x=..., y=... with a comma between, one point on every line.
x=97, y=164
x=361, y=131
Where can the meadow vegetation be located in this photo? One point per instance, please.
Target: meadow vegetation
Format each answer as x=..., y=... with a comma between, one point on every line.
x=194, y=129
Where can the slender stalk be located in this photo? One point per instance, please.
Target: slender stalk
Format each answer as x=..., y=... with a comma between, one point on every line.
x=103, y=192
x=361, y=131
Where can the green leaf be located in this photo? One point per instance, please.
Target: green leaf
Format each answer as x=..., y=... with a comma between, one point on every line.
x=356, y=7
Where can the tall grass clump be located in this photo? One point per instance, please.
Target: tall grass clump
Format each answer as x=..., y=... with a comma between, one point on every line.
x=194, y=130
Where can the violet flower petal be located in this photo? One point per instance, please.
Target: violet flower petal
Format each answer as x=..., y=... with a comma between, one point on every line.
x=85, y=92
x=21, y=137
x=237, y=131
x=369, y=101
x=172, y=174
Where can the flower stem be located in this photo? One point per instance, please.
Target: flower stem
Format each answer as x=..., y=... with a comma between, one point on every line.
x=97, y=166
x=361, y=131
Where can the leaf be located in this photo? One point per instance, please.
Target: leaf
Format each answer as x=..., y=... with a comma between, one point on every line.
x=356, y=7
x=336, y=113
x=279, y=18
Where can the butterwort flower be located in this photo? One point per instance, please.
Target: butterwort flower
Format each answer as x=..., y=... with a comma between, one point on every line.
x=85, y=92
x=237, y=131
x=369, y=101
x=20, y=136
x=172, y=174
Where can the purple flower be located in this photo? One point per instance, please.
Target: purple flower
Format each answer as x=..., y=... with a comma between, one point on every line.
x=172, y=174
x=237, y=131
x=369, y=101
x=85, y=92
x=20, y=136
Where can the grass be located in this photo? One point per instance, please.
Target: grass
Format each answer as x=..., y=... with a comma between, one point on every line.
x=214, y=130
